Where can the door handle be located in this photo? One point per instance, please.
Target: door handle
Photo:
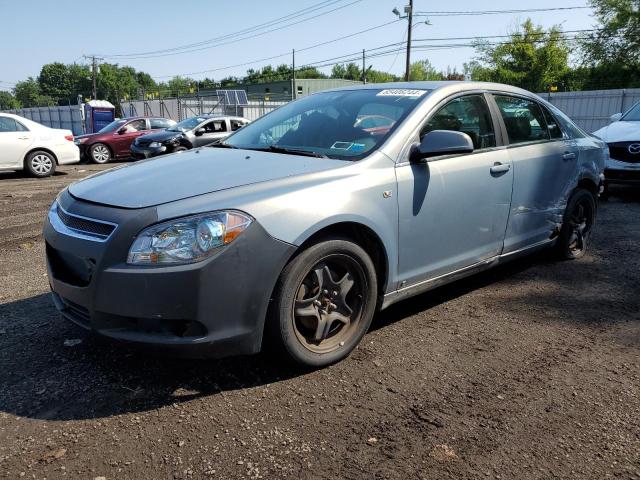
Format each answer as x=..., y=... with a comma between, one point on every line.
x=569, y=156
x=23, y=138
x=500, y=167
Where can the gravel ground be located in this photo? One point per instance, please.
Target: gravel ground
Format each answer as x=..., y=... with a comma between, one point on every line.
x=529, y=371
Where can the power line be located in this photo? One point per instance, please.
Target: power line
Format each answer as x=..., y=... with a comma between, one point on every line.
x=233, y=37
x=285, y=54
x=494, y=12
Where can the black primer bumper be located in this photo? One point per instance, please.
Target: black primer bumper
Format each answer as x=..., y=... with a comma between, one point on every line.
x=213, y=308
x=146, y=152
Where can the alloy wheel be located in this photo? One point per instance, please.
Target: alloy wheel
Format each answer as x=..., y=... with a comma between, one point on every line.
x=100, y=153
x=328, y=303
x=581, y=222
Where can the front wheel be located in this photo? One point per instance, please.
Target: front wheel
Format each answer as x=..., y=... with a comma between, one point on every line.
x=100, y=153
x=577, y=225
x=323, y=303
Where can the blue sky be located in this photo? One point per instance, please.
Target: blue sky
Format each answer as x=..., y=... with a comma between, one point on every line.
x=43, y=31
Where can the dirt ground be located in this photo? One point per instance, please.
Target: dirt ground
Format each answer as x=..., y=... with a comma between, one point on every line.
x=529, y=371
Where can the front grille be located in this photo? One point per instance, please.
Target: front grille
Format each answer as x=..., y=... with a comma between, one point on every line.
x=143, y=143
x=620, y=151
x=78, y=312
x=86, y=226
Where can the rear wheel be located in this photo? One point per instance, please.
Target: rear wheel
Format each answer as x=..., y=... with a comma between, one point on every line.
x=577, y=225
x=100, y=153
x=324, y=303
x=40, y=164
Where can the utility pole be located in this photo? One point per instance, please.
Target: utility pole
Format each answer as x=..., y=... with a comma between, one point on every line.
x=364, y=68
x=94, y=74
x=293, y=75
x=409, y=12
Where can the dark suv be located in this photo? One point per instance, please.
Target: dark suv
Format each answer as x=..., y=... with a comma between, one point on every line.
x=189, y=133
x=113, y=141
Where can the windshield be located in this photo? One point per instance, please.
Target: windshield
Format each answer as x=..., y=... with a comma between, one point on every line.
x=112, y=126
x=344, y=124
x=632, y=115
x=188, y=124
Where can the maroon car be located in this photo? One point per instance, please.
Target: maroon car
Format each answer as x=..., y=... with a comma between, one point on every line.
x=114, y=140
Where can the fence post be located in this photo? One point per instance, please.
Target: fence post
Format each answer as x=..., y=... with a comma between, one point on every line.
x=624, y=91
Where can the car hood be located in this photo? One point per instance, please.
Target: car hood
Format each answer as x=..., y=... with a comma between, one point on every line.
x=619, y=132
x=161, y=136
x=197, y=172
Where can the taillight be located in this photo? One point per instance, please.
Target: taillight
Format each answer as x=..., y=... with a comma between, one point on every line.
x=69, y=137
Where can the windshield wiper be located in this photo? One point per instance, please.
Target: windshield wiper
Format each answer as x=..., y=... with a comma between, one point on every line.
x=293, y=151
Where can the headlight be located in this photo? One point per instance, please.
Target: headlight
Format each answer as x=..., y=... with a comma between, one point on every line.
x=155, y=144
x=78, y=141
x=187, y=240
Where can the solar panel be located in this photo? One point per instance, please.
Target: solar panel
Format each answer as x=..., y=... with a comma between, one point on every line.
x=233, y=97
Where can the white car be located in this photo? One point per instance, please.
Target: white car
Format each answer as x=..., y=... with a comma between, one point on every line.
x=27, y=145
x=623, y=137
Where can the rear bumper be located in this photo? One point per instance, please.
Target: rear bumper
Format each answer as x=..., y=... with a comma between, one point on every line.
x=209, y=309
x=67, y=154
x=146, y=152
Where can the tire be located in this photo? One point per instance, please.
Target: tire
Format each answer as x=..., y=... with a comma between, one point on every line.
x=577, y=225
x=40, y=164
x=334, y=285
x=180, y=149
x=99, y=153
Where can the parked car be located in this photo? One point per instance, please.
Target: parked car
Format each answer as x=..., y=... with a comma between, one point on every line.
x=623, y=138
x=299, y=226
x=114, y=140
x=27, y=145
x=187, y=134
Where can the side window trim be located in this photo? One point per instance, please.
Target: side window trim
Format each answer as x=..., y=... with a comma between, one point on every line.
x=547, y=112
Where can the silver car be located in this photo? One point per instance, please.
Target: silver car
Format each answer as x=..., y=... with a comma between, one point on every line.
x=299, y=226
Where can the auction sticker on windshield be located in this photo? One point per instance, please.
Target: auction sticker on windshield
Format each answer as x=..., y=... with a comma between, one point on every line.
x=401, y=92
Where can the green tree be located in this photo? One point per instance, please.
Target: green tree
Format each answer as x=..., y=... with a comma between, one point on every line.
x=423, y=70
x=532, y=58
x=350, y=71
x=8, y=101
x=28, y=94
x=617, y=40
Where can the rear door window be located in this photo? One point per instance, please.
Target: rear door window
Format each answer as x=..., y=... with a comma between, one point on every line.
x=523, y=119
x=553, y=126
x=8, y=125
x=160, y=123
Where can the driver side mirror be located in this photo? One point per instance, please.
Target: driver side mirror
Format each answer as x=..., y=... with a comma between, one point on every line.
x=615, y=117
x=441, y=142
x=199, y=132
x=122, y=130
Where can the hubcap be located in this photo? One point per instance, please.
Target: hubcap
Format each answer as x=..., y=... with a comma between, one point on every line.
x=100, y=153
x=41, y=163
x=328, y=304
x=581, y=222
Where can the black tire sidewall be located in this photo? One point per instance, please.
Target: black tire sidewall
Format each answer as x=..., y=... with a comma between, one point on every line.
x=280, y=320
x=93, y=160
x=30, y=169
x=565, y=234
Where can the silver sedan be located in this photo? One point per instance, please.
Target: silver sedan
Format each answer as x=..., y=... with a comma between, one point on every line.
x=298, y=227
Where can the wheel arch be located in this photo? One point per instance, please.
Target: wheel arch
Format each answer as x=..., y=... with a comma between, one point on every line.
x=363, y=236
x=38, y=149
x=588, y=184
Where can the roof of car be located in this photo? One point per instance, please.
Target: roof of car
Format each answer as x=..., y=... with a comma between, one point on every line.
x=437, y=85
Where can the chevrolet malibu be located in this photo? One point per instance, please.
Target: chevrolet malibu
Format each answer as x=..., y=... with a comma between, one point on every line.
x=298, y=227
